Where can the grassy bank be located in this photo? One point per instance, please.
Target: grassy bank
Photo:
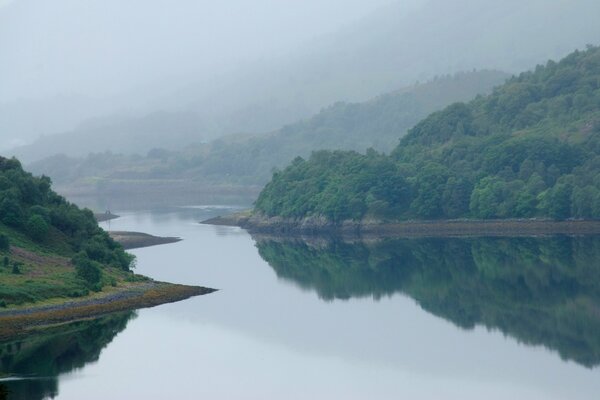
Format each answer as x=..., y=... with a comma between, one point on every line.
x=30, y=277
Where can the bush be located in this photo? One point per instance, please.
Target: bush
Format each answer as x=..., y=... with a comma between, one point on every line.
x=10, y=211
x=4, y=242
x=16, y=268
x=87, y=269
x=37, y=227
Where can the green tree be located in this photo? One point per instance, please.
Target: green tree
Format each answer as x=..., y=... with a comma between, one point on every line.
x=456, y=197
x=37, y=227
x=10, y=211
x=429, y=186
x=556, y=201
x=87, y=270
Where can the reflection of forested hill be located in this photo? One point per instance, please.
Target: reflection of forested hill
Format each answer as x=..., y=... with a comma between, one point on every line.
x=47, y=354
x=542, y=291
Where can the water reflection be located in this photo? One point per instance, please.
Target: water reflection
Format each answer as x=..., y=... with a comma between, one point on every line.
x=541, y=291
x=30, y=367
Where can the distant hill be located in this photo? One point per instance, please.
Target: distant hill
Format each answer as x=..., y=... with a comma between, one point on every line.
x=390, y=49
x=243, y=160
x=529, y=149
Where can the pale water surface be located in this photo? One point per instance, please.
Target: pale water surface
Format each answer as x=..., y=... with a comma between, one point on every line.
x=294, y=330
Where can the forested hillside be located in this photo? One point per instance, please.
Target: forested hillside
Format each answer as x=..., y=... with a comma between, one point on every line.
x=48, y=246
x=529, y=149
x=246, y=160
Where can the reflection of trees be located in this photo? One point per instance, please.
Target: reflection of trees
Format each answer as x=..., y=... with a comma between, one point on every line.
x=3, y=392
x=47, y=354
x=539, y=290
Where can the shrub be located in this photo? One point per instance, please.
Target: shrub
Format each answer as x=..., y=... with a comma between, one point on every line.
x=37, y=227
x=4, y=242
x=87, y=269
x=16, y=268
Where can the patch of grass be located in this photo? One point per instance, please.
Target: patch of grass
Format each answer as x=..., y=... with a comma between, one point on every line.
x=54, y=243
x=49, y=278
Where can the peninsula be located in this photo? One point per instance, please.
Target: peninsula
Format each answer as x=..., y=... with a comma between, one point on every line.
x=57, y=264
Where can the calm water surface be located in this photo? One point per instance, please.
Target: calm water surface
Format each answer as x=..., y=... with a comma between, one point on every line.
x=418, y=319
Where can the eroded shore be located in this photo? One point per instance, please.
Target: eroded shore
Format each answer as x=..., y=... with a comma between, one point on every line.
x=373, y=228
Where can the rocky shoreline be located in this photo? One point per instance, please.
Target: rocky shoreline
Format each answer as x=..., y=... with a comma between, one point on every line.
x=20, y=320
x=257, y=223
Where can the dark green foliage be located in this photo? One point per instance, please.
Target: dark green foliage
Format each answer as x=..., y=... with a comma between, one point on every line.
x=88, y=270
x=28, y=205
x=10, y=211
x=37, y=227
x=4, y=242
x=5, y=261
x=16, y=268
x=530, y=149
x=338, y=185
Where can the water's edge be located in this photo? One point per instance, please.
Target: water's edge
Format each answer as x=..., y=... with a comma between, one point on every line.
x=17, y=322
x=439, y=228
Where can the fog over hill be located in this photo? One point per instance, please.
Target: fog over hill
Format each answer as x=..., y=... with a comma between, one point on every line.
x=170, y=89
x=248, y=161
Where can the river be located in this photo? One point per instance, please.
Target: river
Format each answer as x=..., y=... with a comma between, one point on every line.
x=419, y=319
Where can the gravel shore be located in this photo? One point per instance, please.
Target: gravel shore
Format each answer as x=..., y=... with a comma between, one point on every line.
x=20, y=320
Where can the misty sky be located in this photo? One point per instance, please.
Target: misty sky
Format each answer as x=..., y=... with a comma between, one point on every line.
x=101, y=47
x=103, y=67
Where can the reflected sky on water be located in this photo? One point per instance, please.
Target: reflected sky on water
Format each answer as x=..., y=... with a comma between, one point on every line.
x=453, y=319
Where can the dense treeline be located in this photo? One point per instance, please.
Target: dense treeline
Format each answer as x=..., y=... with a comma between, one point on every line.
x=530, y=149
x=542, y=291
x=246, y=159
x=29, y=208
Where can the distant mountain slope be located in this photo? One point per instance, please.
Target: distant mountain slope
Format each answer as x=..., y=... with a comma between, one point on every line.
x=531, y=148
x=392, y=48
x=378, y=123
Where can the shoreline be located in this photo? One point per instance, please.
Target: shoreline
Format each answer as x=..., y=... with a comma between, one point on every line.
x=135, y=240
x=21, y=320
x=18, y=320
x=105, y=216
x=317, y=226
